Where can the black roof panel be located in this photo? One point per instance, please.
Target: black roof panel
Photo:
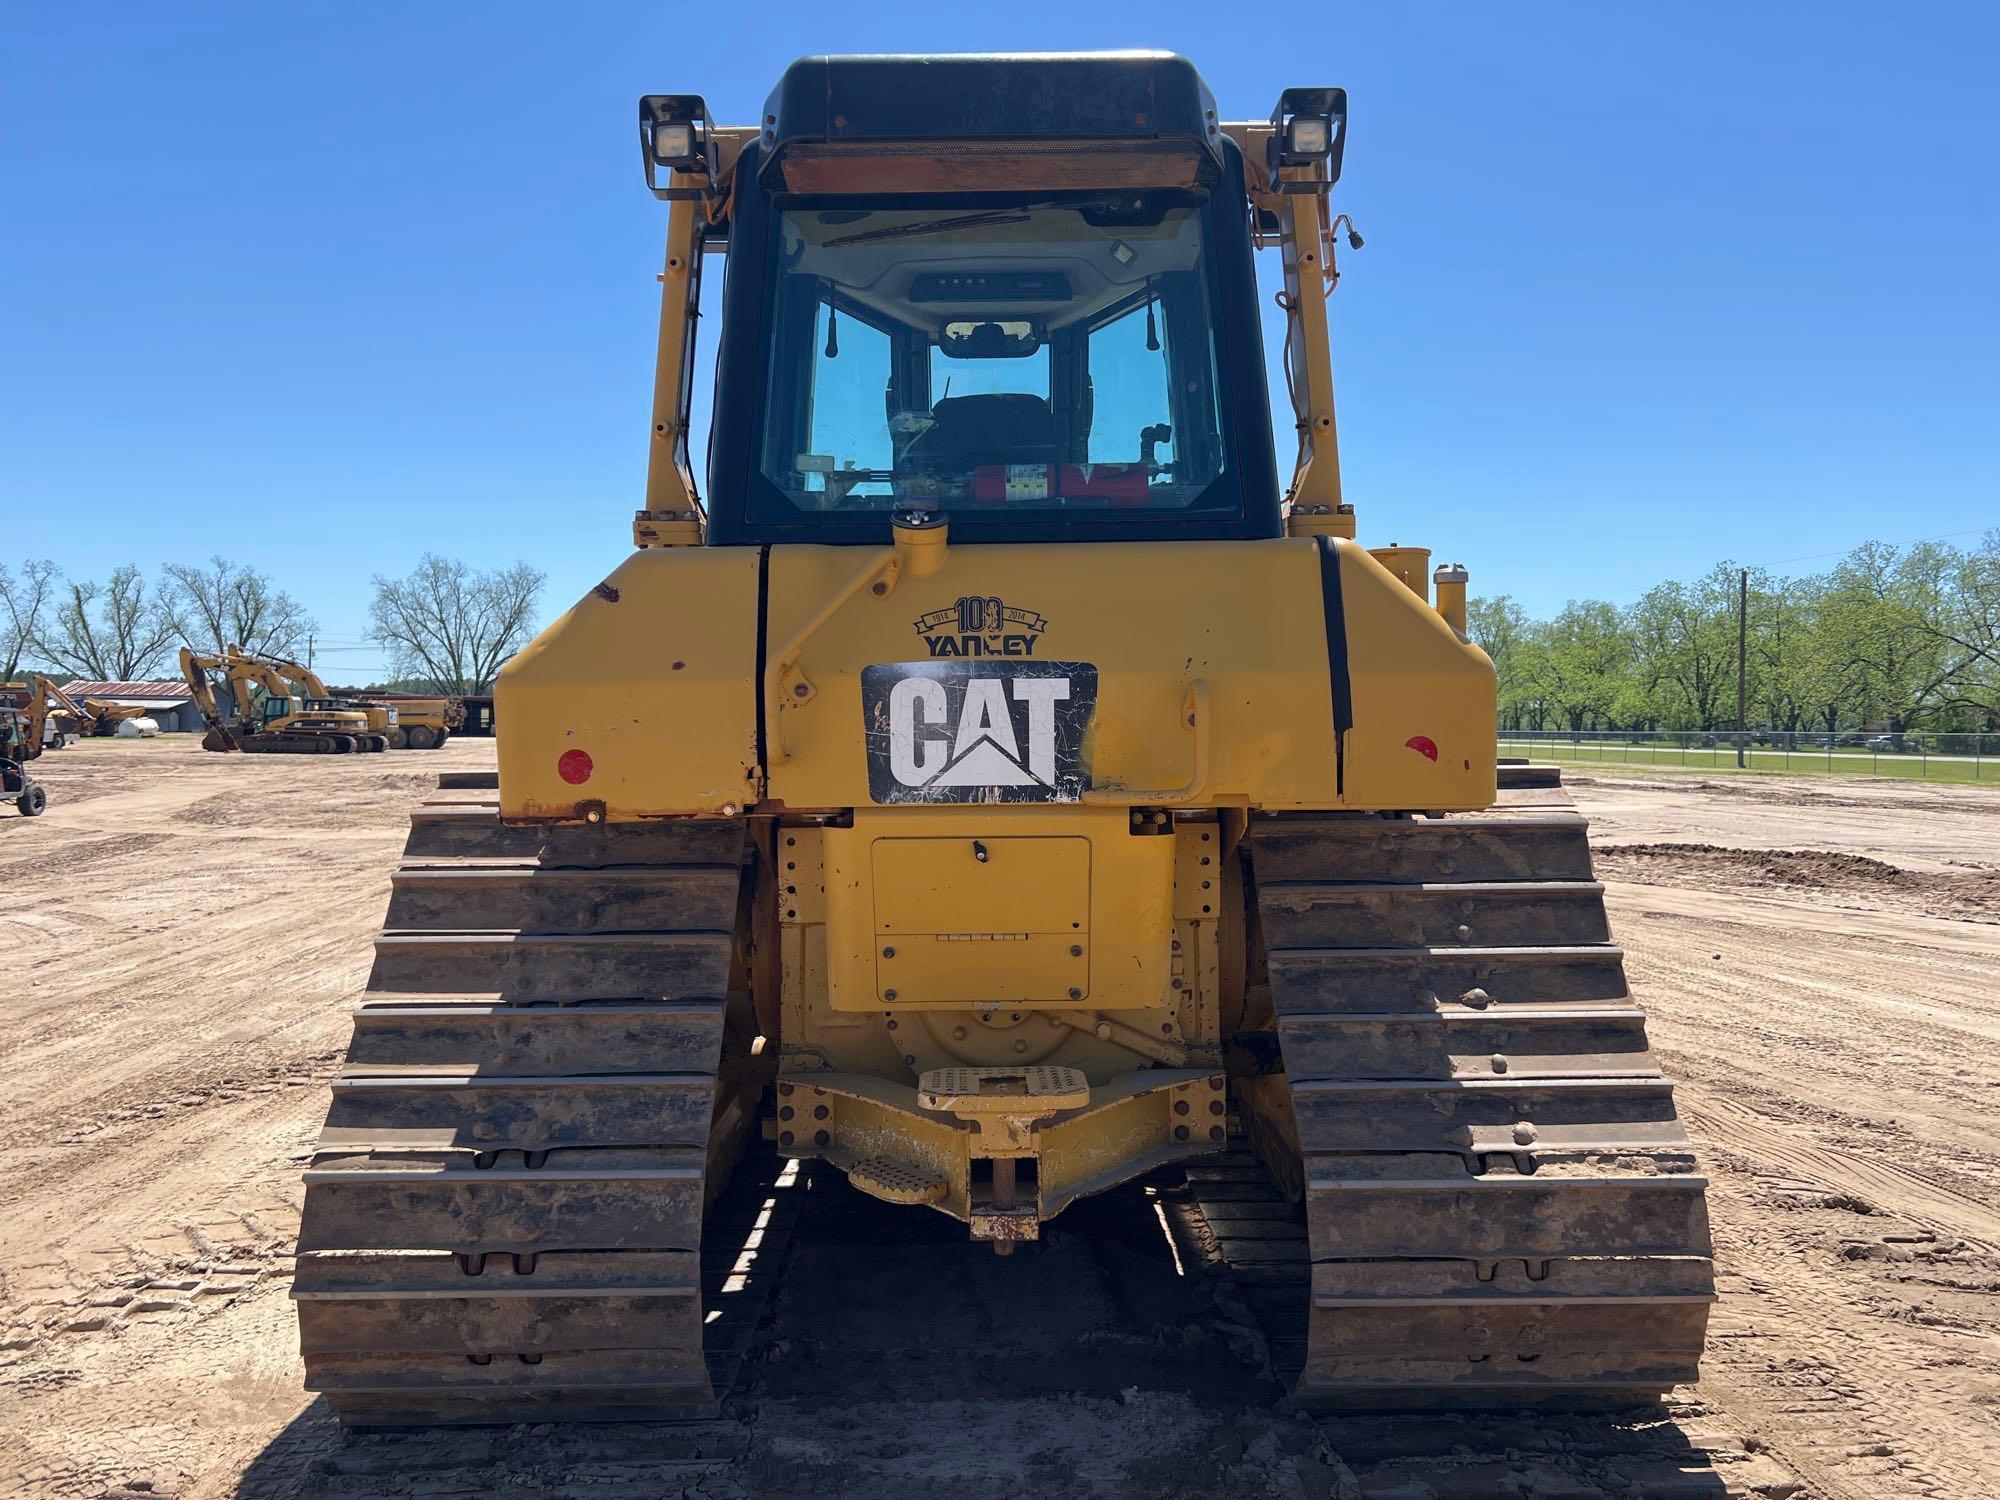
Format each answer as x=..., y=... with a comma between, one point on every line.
x=1131, y=96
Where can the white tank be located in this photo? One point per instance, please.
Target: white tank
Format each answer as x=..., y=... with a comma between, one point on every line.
x=138, y=729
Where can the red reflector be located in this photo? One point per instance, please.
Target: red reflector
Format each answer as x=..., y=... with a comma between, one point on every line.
x=575, y=766
x=1423, y=744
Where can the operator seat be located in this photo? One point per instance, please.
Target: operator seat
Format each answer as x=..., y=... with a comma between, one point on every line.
x=1000, y=428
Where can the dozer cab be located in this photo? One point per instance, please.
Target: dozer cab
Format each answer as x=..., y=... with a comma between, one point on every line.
x=998, y=787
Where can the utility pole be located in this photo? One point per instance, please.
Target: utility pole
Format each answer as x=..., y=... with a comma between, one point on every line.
x=309, y=650
x=1742, y=662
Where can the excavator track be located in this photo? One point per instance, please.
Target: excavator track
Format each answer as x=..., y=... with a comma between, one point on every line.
x=1501, y=1206
x=503, y=1216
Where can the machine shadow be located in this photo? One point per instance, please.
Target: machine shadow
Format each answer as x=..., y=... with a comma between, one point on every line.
x=823, y=1299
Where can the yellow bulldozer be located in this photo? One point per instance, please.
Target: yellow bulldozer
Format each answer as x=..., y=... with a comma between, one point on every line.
x=998, y=788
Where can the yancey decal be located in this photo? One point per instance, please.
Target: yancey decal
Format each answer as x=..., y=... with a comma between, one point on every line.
x=981, y=626
x=977, y=731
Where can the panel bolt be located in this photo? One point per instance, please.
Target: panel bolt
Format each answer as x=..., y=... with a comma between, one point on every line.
x=784, y=1111
x=784, y=1088
x=1180, y=1106
x=820, y=1137
x=1180, y=1132
x=1215, y=1106
x=909, y=1060
x=888, y=952
x=1075, y=993
x=1215, y=1132
x=888, y=994
x=958, y=1033
x=799, y=690
x=785, y=1138
x=1103, y=1031
x=1020, y=1044
x=1524, y=1134
x=820, y=1112
x=1499, y=1063
x=1076, y=950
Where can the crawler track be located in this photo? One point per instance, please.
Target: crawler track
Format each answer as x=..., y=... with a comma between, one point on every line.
x=504, y=1214
x=1501, y=1205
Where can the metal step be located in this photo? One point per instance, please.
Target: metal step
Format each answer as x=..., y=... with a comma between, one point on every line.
x=526, y=966
x=1312, y=981
x=1548, y=846
x=1458, y=1041
x=1301, y=914
x=442, y=1038
x=505, y=1112
x=623, y=899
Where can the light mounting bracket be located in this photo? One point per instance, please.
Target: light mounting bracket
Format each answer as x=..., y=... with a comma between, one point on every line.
x=674, y=136
x=1308, y=129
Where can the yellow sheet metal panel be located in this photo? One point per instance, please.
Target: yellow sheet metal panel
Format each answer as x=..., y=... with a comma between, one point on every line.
x=982, y=886
x=982, y=921
x=968, y=934
x=641, y=700
x=1423, y=697
x=1150, y=620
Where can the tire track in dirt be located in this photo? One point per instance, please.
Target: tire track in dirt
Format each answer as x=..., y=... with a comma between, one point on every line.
x=1835, y=1060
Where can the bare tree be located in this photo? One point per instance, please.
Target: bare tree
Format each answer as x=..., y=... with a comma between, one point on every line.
x=107, y=632
x=452, y=625
x=22, y=603
x=230, y=603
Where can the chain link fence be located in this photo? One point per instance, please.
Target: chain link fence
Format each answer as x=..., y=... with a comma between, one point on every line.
x=1917, y=755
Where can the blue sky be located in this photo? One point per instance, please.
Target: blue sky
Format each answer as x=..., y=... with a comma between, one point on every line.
x=324, y=286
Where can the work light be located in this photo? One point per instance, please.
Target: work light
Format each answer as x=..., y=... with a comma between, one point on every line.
x=1308, y=138
x=1308, y=129
x=673, y=133
x=673, y=144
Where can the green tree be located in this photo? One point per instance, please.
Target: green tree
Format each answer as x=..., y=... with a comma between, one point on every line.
x=1581, y=665
x=1684, y=642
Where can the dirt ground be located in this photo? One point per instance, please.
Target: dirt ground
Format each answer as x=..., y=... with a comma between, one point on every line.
x=183, y=933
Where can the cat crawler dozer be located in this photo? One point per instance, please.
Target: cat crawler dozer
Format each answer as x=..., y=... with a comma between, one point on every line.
x=997, y=788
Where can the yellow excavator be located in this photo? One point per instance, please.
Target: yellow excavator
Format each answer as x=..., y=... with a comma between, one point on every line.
x=279, y=725
x=999, y=788
x=292, y=687
x=24, y=735
x=102, y=716
x=46, y=701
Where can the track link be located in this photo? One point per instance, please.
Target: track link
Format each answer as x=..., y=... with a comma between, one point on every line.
x=1501, y=1205
x=503, y=1215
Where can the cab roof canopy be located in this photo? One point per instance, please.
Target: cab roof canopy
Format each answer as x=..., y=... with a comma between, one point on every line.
x=990, y=122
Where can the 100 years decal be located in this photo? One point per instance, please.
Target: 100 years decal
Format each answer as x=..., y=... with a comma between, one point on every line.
x=977, y=731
